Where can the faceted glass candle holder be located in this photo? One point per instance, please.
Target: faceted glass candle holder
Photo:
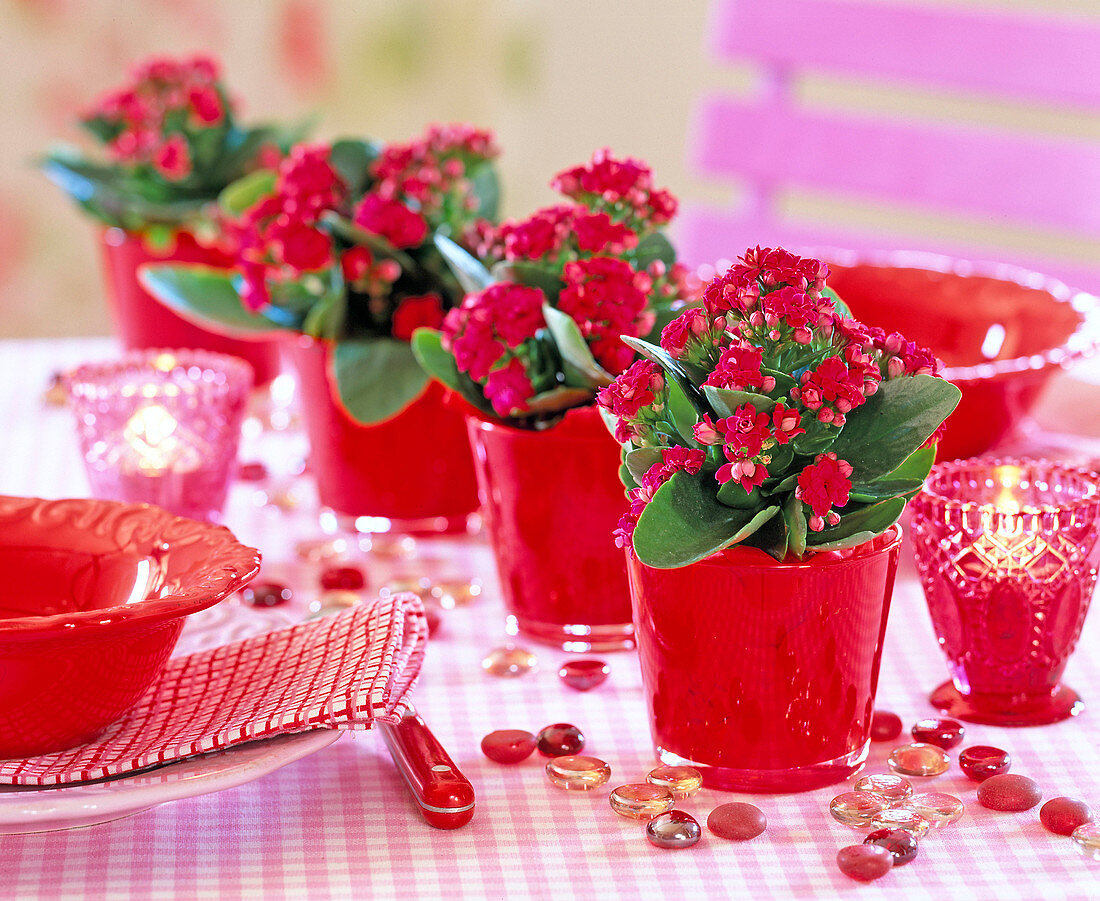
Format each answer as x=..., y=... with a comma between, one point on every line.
x=162, y=427
x=1007, y=553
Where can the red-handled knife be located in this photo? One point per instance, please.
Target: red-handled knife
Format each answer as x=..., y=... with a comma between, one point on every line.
x=443, y=795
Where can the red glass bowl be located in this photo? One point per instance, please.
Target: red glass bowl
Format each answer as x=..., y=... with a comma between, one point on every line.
x=95, y=595
x=1000, y=330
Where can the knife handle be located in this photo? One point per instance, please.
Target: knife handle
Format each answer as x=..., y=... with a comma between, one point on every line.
x=443, y=795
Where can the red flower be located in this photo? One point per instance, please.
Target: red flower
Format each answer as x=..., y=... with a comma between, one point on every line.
x=302, y=247
x=634, y=389
x=489, y=323
x=740, y=368
x=596, y=233
x=602, y=297
x=391, y=219
x=786, y=424
x=173, y=158
x=745, y=472
x=355, y=263
x=206, y=104
x=417, y=312
x=508, y=389
x=822, y=485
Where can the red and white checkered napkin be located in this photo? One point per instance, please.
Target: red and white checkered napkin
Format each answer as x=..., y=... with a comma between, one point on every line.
x=338, y=672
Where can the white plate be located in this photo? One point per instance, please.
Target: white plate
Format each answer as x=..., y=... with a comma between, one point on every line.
x=25, y=809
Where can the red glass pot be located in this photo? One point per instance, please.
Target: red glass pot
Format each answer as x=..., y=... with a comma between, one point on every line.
x=763, y=674
x=551, y=500
x=411, y=473
x=143, y=322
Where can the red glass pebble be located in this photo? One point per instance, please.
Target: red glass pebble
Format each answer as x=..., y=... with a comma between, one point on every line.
x=737, y=821
x=865, y=862
x=346, y=578
x=508, y=745
x=560, y=740
x=433, y=618
x=675, y=829
x=885, y=726
x=254, y=471
x=942, y=733
x=897, y=841
x=1009, y=791
x=1062, y=815
x=266, y=594
x=982, y=761
x=584, y=675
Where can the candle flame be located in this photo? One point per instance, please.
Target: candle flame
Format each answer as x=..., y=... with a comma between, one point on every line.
x=151, y=432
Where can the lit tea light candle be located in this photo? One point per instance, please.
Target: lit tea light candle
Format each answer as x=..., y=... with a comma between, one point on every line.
x=155, y=437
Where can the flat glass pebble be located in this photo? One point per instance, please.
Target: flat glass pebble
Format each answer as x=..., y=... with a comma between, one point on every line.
x=939, y=808
x=856, y=809
x=560, y=740
x=640, y=800
x=331, y=602
x=894, y=789
x=266, y=594
x=885, y=726
x=252, y=471
x=1009, y=791
x=456, y=592
x=285, y=499
x=418, y=585
x=1086, y=839
x=682, y=781
x=584, y=675
x=901, y=818
x=348, y=578
x=918, y=759
x=865, y=863
x=942, y=733
x=509, y=662
x=737, y=821
x=982, y=761
x=898, y=842
x=433, y=618
x=675, y=829
x=317, y=550
x=508, y=745
x=577, y=773
x=1062, y=815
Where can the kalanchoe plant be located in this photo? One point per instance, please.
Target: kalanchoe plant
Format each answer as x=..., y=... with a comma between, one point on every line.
x=770, y=418
x=338, y=244
x=549, y=296
x=172, y=143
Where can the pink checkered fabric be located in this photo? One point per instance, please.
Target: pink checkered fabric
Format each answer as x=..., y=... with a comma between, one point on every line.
x=339, y=672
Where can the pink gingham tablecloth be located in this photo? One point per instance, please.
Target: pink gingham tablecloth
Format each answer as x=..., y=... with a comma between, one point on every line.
x=339, y=823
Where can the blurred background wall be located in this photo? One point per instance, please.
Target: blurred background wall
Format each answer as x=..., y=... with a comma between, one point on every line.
x=554, y=78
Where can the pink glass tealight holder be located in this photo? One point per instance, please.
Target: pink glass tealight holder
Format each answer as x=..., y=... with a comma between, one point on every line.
x=1007, y=552
x=162, y=427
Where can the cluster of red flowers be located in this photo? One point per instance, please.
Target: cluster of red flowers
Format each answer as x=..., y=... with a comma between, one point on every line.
x=622, y=186
x=640, y=389
x=747, y=439
x=607, y=298
x=150, y=121
x=673, y=460
x=822, y=485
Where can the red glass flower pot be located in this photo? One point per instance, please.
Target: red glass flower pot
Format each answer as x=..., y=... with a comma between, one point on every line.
x=1007, y=553
x=412, y=473
x=143, y=322
x=763, y=674
x=551, y=501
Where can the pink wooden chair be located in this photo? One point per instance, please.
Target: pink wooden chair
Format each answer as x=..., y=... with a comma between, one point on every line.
x=770, y=143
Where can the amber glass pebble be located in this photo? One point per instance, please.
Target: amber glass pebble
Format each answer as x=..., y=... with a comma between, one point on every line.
x=939, y=808
x=584, y=675
x=315, y=550
x=346, y=578
x=865, y=862
x=1062, y=815
x=266, y=594
x=898, y=842
x=918, y=759
x=509, y=662
x=682, y=781
x=895, y=789
x=982, y=761
x=674, y=829
x=855, y=809
x=901, y=818
x=942, y=733
x=737, y=821
x=1086, y=839
x=885, y=726
x=333, y=602
x=508, y=745
x=1009, y=791
x=640, y=800
x=577, y=773
x=560, y=740
x=456, y=592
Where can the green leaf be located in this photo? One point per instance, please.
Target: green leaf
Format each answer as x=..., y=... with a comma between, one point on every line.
x=895, y=421
x=685, y=523
x=530, y=274
x=672, y=369
x=427, y=348
x=815, y=442
x=795, y=517
x=639, y=461
x=206, y=296
x=858, y=526
x=651, y=248
x=245, y=192
x=916, y=466
x=352, y=158
x=376, y=377
x=682, y=413
x=581, y=368
x=772, y=537
x=469, y=271
x=880, y=490
x=626, y=477
x=486, y=186
x=754, y=524
x=842, y=308
x=733, y=495
x=725, y=402
x=558, y=400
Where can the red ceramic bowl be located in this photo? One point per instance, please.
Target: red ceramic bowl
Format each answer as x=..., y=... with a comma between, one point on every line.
x=94, y=597
x=1000, y=330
